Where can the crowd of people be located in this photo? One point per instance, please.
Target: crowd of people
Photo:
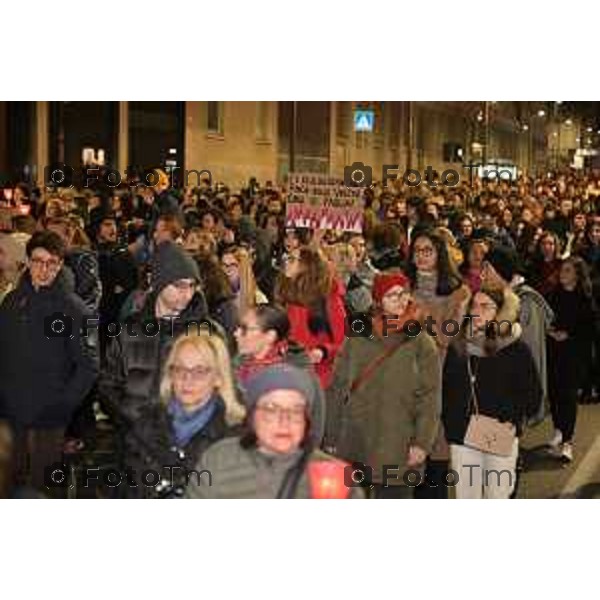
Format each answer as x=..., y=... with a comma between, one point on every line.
x=224, y=338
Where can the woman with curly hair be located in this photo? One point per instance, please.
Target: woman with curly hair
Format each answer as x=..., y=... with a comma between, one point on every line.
x=314, y=301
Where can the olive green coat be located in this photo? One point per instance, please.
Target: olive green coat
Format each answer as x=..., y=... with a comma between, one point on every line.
x=396, y=406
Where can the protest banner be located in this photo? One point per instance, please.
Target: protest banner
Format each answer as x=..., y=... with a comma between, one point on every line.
x=319, y=201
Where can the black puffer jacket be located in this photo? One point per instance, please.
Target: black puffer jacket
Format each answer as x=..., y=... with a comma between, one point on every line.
x=132, y=371
x=119, y=277
x=150, y=446
x=83, y=264
x=43, y=379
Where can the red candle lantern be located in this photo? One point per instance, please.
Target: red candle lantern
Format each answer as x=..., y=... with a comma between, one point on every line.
x=326, y=478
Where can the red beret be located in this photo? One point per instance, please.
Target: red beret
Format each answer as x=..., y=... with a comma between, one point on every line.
x=384, y=282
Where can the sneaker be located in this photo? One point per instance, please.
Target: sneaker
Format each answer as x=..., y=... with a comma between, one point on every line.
x=566, y=452
x=556, y=441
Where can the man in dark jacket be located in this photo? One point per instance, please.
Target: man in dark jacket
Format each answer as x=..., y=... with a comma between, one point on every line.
x=174, y=306
x=47, y=366
x=82, y=262
x=117, y=268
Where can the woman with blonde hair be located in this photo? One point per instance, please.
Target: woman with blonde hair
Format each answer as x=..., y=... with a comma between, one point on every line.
x=198, y=406
x=237, y=265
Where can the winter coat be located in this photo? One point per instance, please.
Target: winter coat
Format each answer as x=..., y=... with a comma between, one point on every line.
x=131, y=375
x=237, y=472
x=573, y=313
x=44, y=379
x=119, y=277
x=395, y=406
x=507, y=387
x=535, y=317
x=444, y=308
x=84, y=266
x=150, y=445
x=300, y=332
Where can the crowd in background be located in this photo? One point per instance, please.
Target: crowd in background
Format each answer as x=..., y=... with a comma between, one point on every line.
x=284, y=395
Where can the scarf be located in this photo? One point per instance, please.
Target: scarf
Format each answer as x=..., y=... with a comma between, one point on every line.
x=250, y=365
x=187, y=424
x=426, y=286
x=476, y=344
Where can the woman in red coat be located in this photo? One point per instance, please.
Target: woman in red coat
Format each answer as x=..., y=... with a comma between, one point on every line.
x=314, y=301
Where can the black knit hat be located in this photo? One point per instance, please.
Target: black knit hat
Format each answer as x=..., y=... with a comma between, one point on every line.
x=504, y=260
x=172, y=263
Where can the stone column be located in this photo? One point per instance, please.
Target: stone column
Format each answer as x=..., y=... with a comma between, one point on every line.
x=41, y=141
x=123, y=138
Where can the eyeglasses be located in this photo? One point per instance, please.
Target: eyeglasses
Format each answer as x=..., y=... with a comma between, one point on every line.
x=273, y=413
x=51, y=263
x=194, y=373
x=423, y=251
x=232, y=265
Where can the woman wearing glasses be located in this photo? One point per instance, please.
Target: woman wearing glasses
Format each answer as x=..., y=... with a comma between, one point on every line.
x=382, y=403
x=440, y=296
x=237, y=265
x=262, y=341
x=275, y=456
x=197, y=407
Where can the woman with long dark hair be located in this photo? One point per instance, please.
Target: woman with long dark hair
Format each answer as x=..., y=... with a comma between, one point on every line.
x=569, y=348
x=545, y=264
x=314, y=301
x=439, y=295
x=219, y=296
x=437, y=286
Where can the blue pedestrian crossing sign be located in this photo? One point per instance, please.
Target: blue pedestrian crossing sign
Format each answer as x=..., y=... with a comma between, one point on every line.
x=364, y=120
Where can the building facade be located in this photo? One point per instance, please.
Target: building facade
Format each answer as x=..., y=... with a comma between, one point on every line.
x=237, y=140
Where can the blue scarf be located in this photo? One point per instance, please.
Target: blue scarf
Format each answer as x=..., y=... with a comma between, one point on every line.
x=185, y=424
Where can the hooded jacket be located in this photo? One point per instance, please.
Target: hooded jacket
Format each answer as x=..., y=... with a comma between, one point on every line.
x=43, y=378
x=134, y=359
x=507, y=385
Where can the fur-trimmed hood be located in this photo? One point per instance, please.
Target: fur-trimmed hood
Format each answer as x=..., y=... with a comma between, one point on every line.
x=510, y=309
x=482, y=344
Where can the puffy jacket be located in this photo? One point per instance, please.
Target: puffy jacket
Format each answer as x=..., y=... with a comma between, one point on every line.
x=237, y=472
x=84, y=266
x=44, y=379
x=150, y=445
x=131, y=375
